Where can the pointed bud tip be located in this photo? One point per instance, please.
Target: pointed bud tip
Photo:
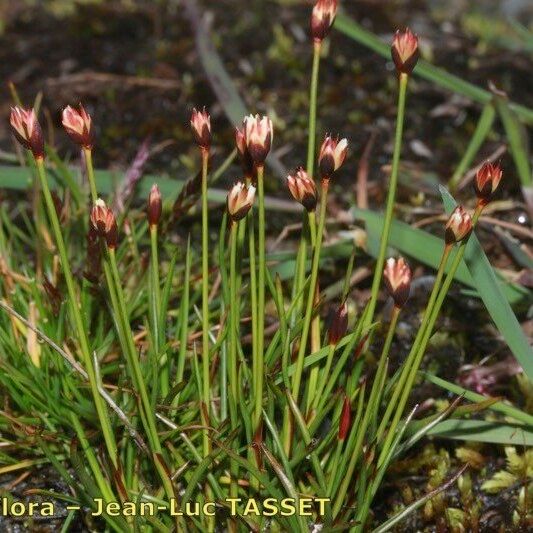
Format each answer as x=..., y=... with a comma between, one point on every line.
x=459, y=226
x=303, y=189
x=201, y=128
x=322, y=18
x=404, y=51
x=397, y=276
x=487, y=180
x=155, y=206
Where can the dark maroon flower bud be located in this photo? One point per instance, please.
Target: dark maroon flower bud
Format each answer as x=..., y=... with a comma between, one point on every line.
x=487, y=179
x=404, y=51
x=27, y=130
x=240, y=200
x=303, y=188
x=322, y=18
x=104, y=223
x=258, y=132
x=459, y=226
x=332, y=155
x=397, y=276
x=155, y=206
x=78, y=125
x=346, y=419
x=339, y=324
x=201, y=128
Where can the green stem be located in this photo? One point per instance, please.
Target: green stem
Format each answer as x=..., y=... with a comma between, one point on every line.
x=205, y=305
x=324, y=375
x=88, y=154
x=133, y=355
x=261, y=280
x=391, y=197
x=385, y=354
x=205, y=326
x=297, y=377
x=233, y=340
x=155, y=300
x=312, y=108
x=234, y=320
x=76, y=315
x=393, y=402
x=429, y=330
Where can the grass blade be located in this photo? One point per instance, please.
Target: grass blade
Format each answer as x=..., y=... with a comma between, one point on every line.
x=490, y=291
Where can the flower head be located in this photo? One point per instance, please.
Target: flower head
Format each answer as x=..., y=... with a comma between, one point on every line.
x=155, y=206
x=242, y=149
x=345, y=419
x=78, y=125
x=459, y=225
x=404, y=51
x=240, y=200
x=258, y=132
x=303, y=188
x=397, y=276
x=27, y=130
x=104, y=223
x=332, y=155
x=201, y=128
x=322, y=18
x=339, y=324
x=487, y=179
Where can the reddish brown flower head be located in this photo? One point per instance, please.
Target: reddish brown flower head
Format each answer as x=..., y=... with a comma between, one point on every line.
x=242, y=149
x=78, y=125
x=397, y=276
x=339, y=324
x=201, y=128
x=345, y=419
x=258, y=132
x=322, y=18
x=27, y=130
x=459, y=226
x=303, y=188
x=488, y=178
x=332, y=155
x=155, y=206
x=104, y=223
x=404, y=51
x=240, y=200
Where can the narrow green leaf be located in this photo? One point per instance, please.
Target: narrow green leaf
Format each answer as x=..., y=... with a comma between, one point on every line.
x=490, y=291
x=483, y=431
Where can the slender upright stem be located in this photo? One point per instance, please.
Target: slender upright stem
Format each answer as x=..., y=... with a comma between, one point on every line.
x=206, y=392
x=233, y=340
x=138, y=378
x=385, y=352
x=261, y=280
x=317, y=45
x=433, y=314
x=390, y=197
x=393, y=403
x=88, y=154
x=76, y=315
x=155, y=299
x=234, y=321
x=297, y=377
x=205, y=304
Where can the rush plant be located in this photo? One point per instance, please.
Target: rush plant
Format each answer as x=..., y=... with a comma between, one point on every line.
x=193, y=379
